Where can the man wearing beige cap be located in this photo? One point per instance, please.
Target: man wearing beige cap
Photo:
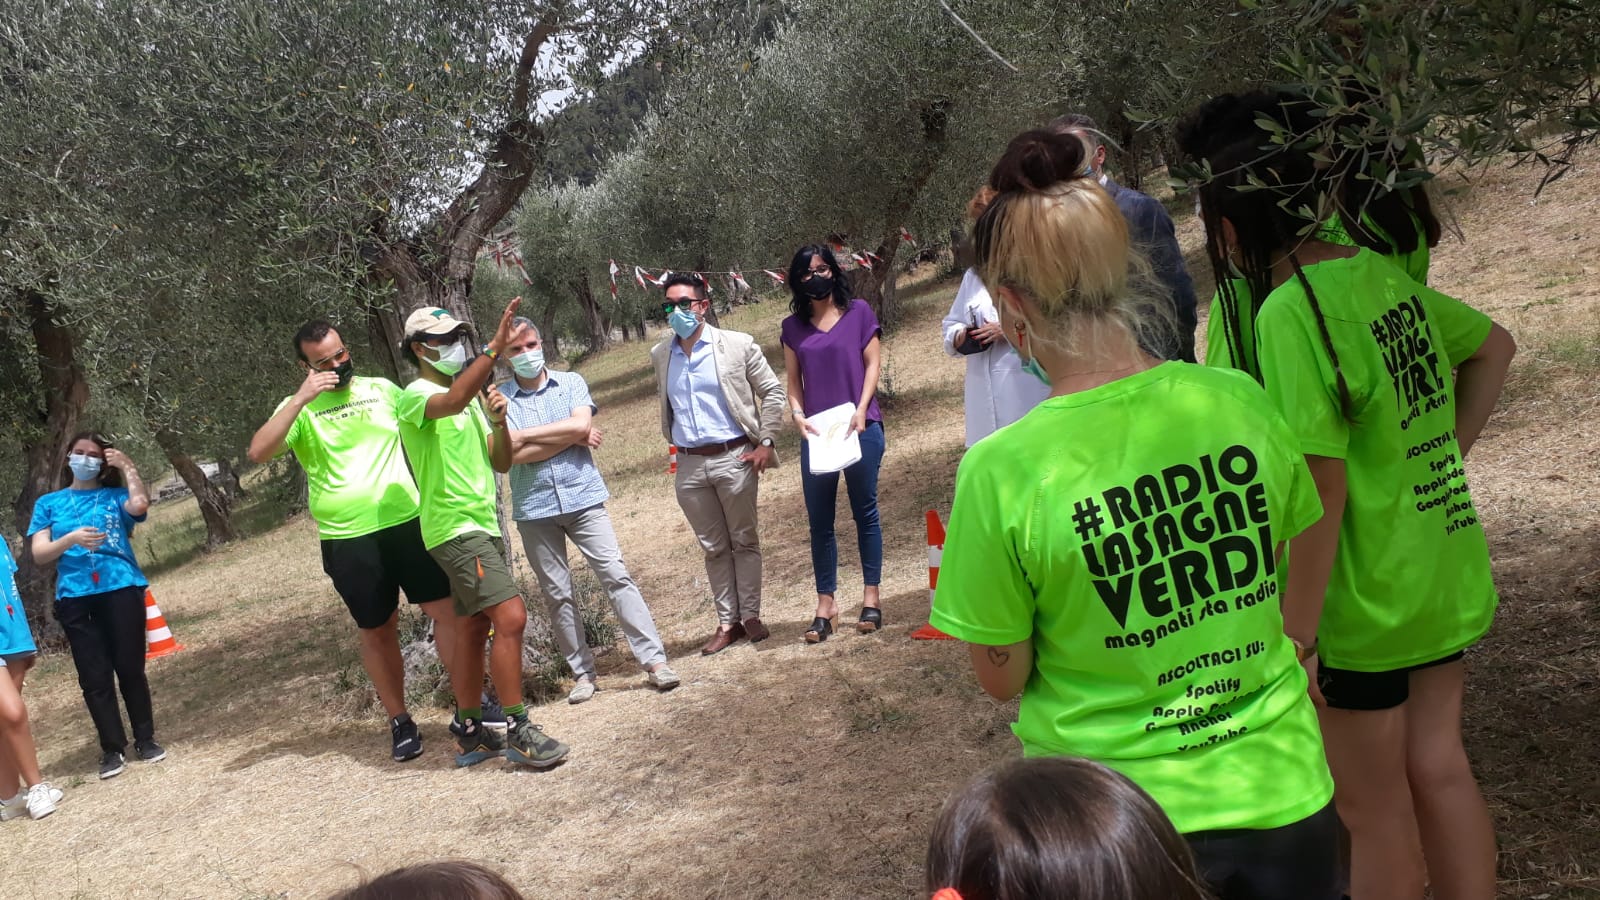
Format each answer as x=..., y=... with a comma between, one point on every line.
x=455, y=448
x=721, y=406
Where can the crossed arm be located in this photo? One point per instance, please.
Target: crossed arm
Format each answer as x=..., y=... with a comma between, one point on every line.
x=531, y=445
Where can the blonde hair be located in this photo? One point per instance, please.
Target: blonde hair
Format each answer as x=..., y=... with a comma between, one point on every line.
x=1053, y=235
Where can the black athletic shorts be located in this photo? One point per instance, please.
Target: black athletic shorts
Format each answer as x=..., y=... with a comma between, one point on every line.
x=1299, y=861
x=1368, y=691
x=370, y=571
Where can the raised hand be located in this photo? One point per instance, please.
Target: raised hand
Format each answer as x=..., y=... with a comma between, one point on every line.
x=316, y=382
x=504, y=334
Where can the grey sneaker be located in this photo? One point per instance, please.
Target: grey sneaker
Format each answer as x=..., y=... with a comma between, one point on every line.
x=478, y=743
x=149, y=751
x=42, y=800
x=529, y=745
x=14, y=808
x=111, y=765
x=583, y=690
x=664, y=679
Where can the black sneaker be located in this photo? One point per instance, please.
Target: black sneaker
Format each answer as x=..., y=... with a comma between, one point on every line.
x=149, y=751
x=407, y=740
x=111, y=765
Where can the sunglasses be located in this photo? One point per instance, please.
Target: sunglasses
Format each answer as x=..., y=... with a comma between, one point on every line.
x=684, y=304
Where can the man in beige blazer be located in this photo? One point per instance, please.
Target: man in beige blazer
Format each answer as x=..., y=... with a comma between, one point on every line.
x=721, y=406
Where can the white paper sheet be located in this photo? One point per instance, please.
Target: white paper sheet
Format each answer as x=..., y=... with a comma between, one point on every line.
x=835, y=447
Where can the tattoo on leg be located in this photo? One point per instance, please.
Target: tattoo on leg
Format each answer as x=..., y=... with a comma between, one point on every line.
x=998, y=656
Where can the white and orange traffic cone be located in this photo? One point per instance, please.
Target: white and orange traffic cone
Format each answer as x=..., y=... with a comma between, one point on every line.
x=935, y=554
x=672, y=459
x=158, y=637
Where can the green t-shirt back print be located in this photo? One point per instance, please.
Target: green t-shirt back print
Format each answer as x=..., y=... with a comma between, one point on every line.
x=1138, y=557
x=349, y=444
x=1411, y=582
x=451, y=459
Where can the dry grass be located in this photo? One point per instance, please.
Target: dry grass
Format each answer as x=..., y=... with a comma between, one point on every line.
x=788, y=771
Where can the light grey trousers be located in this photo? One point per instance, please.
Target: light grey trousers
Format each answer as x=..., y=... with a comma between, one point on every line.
x=718, y=497
x=545, y=542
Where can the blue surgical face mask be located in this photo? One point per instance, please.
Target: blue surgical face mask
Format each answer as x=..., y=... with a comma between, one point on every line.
x=683, y=322
x=1032, y=367
x=1030, y=363
x=528, y=364
x=84, y=467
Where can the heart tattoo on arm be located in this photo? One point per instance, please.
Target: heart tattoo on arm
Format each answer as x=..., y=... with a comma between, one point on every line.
x=998, y=656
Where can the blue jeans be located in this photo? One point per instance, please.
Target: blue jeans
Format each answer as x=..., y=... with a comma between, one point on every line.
x=822, y=492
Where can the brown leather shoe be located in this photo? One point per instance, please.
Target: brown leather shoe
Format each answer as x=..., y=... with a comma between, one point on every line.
x=722, y=640
x=756, y=630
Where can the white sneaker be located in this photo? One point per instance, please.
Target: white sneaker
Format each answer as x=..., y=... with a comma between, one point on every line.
x=665, y=679
x=583, y=690
x=42, y=799
x=14, y=808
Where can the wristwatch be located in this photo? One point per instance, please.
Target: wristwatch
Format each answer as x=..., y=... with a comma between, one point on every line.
x=488, y=351
x=766, y=442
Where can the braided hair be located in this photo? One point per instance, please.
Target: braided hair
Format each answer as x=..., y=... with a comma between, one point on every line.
x=1265, y=195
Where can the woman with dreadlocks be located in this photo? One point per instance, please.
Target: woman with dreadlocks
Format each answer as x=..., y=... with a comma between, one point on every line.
x=1387, y=385
x=1398, y=224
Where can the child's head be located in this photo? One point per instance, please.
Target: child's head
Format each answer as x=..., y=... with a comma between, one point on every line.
x=1058, y=827
x=447, y=880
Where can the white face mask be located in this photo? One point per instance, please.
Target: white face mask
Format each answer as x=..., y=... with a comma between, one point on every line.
x=451, y=359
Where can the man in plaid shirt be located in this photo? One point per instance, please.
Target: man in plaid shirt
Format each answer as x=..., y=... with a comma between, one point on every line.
x=557, y=494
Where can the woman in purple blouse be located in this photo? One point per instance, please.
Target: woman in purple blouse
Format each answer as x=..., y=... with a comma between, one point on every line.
x=831, y=352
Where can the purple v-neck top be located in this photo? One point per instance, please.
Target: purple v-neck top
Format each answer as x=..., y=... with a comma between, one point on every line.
x=832, y=365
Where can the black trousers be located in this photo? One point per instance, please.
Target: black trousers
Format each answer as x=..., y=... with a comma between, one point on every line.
x=1299, y=861
x=106, y=632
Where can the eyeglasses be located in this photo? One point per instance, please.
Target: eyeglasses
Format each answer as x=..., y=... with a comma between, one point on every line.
x=440, y=340
x=332, y=359
x=683, y=304
x=823, y=272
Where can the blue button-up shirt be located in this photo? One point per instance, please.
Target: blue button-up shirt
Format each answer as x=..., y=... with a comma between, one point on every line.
x=700, y=414
x=567, y=482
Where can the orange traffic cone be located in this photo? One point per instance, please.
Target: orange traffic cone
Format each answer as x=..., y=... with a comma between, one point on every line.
x=672, y=459
x=158, y=637
x=935, y=553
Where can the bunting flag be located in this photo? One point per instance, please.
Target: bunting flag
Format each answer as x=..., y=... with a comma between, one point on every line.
x=739, y=280
x=638, y=275
x=614, y=271
x=776, y=277
x=874, y=257
x=906, y=236
x=862, y=261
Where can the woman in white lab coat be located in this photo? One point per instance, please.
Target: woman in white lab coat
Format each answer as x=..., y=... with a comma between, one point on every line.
x=998, y=391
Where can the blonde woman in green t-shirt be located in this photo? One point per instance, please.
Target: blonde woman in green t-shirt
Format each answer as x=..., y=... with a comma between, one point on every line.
x=1386, y=385
x=1112, y=555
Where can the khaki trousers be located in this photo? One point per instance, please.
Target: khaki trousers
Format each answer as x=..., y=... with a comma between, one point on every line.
x=718, y=497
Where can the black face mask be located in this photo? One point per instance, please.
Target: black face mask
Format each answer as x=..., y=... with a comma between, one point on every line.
x=344, y=370
x=817, y=288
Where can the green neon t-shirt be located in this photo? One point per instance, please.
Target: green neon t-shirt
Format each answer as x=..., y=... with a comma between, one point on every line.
x=451, y=459
x=349, y=444
x=1219, y=353
x=1411, y=580
x=1129, y=531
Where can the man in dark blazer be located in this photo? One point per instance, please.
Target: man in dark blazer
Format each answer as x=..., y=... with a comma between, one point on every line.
x=1151, y=230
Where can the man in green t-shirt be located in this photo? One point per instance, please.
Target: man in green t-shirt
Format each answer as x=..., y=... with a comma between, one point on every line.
x=342, y=428
x=455, y=450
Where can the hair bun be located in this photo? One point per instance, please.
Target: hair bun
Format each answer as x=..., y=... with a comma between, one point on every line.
x=1037, y=160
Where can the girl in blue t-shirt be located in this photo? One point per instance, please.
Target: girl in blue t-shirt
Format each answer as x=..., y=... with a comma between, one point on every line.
x=85, y=529
x=23, y=790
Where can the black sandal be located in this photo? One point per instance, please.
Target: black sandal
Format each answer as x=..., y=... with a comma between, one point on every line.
x=819, y=630
x=871, y=620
